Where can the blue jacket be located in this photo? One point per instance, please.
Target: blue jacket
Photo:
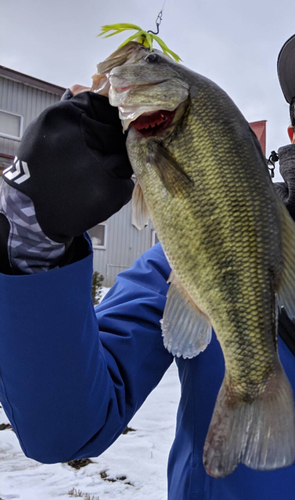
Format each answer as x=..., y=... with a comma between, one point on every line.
x=61, y=363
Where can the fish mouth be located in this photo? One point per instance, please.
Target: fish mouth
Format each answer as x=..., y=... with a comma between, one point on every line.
x=151, y=124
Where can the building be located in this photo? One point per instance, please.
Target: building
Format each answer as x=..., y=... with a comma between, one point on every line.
x=260, y=130
x=22, y=98
x=116, y=242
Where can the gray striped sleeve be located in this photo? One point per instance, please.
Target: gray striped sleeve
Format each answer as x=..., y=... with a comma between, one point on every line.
x=29, y=249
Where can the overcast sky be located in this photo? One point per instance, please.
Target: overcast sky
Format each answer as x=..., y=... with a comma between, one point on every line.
x=234, y=43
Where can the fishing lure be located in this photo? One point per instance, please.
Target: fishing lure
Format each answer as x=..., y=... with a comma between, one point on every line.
x=146, y=38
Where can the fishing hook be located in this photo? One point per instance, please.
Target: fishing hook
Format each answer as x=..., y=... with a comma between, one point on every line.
x=158, y=21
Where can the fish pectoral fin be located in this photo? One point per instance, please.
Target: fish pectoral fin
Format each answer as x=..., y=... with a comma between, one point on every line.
x=257, y=431
x=140, y=213
x=286, y=291
x=174, y=178
x=186, y=329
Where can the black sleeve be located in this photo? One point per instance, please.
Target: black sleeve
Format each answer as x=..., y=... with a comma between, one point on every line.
x=79, y=172
x=286, y=191
x=287, y=330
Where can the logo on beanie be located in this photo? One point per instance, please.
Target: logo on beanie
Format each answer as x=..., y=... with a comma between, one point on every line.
x=18, y=172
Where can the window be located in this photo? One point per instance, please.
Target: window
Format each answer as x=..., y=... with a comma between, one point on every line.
x=155, y=238
x=10, y=125
x=98, y=235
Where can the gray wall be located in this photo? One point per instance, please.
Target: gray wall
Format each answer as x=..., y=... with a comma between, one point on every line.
x=124, y=245
x=23, y=100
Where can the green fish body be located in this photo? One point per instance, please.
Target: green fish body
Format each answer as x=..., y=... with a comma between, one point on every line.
x=229, y=241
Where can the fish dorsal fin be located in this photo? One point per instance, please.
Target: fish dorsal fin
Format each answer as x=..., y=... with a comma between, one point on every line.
x=286, y=291
x=140, y=213
x=174, y=178
x=185, y=328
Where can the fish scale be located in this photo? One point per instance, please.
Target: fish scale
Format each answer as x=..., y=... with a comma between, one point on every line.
x=230, y=243
x=210, y=181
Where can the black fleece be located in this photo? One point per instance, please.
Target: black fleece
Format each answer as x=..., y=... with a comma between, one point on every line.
x=79, y=168
x=286, y=190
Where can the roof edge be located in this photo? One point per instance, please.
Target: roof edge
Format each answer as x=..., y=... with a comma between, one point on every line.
x=11, y=74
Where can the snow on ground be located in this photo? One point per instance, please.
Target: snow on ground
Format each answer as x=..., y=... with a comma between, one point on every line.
x=104, y=290
x=133, y=468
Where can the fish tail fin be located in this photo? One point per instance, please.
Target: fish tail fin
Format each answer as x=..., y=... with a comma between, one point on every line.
x=259, y=433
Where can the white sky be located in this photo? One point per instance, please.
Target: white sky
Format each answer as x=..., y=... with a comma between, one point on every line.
x=234, y=43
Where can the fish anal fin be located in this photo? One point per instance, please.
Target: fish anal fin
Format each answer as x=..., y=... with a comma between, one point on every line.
x=140, y=213
x=186, y=329
x=286, y=291
x=259, y=433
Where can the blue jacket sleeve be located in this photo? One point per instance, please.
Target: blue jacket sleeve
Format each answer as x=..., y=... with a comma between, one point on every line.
x=71, y=377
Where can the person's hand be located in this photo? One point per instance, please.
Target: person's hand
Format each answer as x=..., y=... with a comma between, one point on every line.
x=74, y=90
x=77, y=89
x=73, y=165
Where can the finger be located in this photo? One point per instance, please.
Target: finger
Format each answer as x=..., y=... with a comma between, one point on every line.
x=77, y=89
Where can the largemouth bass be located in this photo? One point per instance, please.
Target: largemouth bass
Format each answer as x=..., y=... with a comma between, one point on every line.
x=203, y=179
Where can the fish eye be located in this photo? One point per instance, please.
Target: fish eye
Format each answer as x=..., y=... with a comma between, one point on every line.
x=152, y=58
